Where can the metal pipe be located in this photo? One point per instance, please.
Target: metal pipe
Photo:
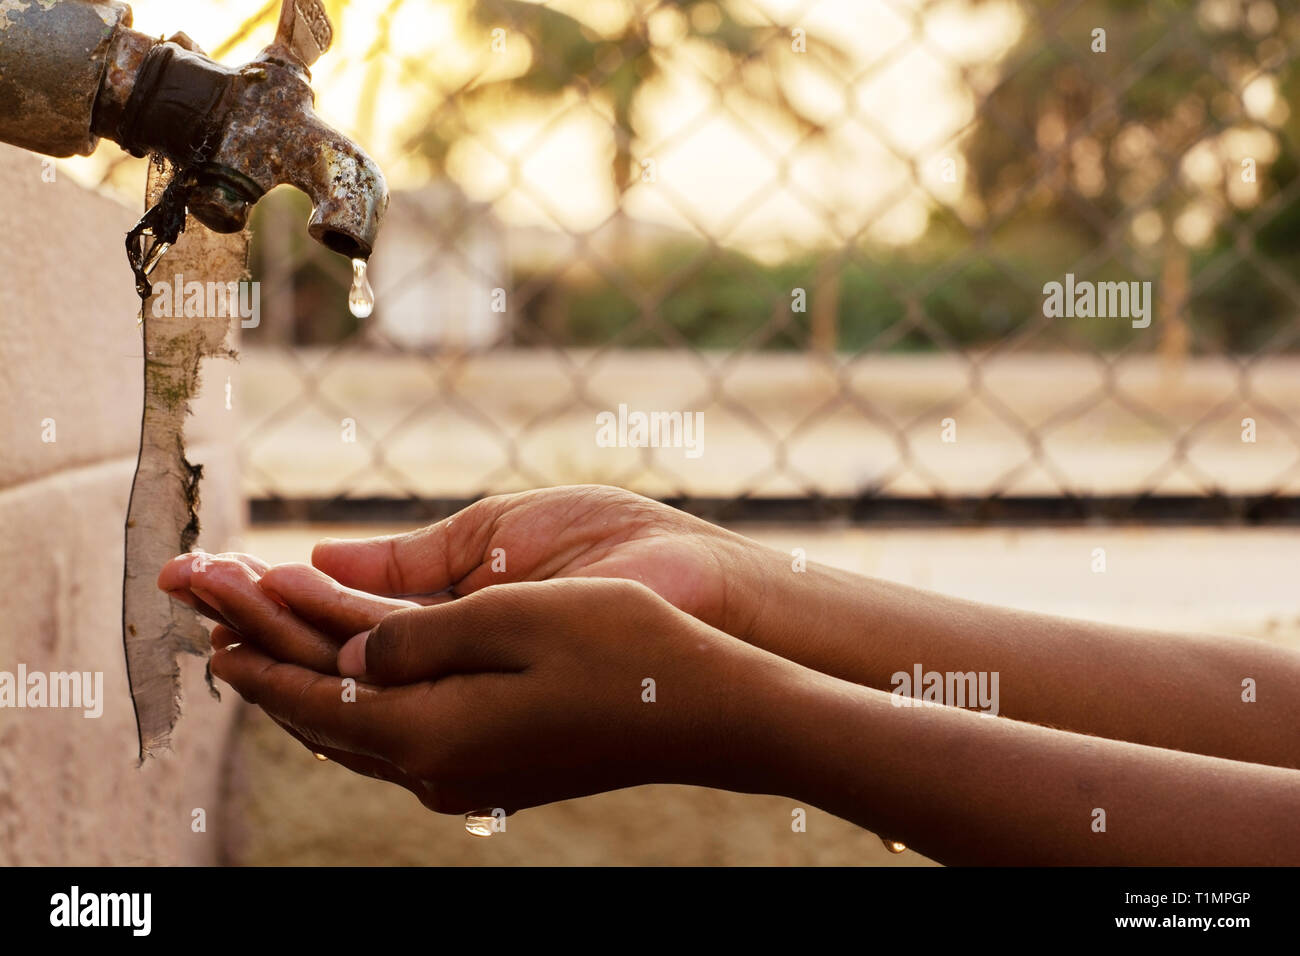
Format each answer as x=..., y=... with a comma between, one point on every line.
x=52, y=62
x=72, y=71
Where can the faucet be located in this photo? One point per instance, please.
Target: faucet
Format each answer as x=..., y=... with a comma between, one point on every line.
x=72, y=71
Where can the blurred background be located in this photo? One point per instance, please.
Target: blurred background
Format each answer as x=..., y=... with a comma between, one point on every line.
x=827, y=226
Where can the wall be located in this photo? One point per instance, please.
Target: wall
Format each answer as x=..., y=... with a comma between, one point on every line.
x=70, y=788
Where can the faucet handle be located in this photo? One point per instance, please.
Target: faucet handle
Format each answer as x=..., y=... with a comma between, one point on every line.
x=304, y=30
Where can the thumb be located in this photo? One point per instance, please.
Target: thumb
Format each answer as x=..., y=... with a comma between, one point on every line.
x=391, y=565
x=425, y=561
x=485, y=632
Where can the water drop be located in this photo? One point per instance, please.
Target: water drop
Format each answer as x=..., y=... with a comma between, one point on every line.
x=479, y=824
x=154, y=256
x=894, y=846
x=321, y=757
x=361, y=298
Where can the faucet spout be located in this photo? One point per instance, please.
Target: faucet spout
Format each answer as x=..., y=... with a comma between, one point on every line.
x=239, y=132
x=267, y=133
x=273, y=136
x=349, y=196
x=74, y=71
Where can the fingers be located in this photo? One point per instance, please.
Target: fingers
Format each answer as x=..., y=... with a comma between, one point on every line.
x=174, y=578
x=231, y=588
x=412, y=563
x=367, y=766
x=187, y=598
x=325, y=714
x=324, y=603
x=358, y=763
x=223, y=637
x=426, y=561
x=175, y=574
x=489, y=630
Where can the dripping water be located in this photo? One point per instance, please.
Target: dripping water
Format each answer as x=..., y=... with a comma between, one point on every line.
x=361, y=298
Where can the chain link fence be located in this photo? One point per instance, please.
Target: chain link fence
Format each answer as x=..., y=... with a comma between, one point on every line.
x=965, y=260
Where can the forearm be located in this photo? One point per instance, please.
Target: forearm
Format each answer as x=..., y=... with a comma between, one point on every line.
x=1166, y=690
x=966, y=789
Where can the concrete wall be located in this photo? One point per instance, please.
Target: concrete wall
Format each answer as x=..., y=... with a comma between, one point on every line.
x=70, y=788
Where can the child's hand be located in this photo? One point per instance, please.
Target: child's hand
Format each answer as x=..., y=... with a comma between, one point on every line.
x=288, y=609
x=579, y=531
x=806, y=613
x=518, y=695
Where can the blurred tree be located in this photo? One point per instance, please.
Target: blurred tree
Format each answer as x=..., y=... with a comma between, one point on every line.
x=1146, y=136
x=615, y=66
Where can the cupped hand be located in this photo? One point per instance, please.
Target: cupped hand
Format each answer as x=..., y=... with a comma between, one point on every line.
x=568, y=532
x=517, y=695
x=286, y=608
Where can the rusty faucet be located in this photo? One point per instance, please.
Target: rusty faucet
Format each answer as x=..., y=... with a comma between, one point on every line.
x=73, y=71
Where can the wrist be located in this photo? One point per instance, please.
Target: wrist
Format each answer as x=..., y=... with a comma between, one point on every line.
x=814, y=615
x=763, y=595
x=752, y=740
x=783, y=728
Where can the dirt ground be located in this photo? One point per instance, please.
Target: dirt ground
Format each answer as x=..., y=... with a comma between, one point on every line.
x=285, y=807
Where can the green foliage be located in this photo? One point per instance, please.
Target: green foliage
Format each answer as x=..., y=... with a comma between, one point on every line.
x=938, y=296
